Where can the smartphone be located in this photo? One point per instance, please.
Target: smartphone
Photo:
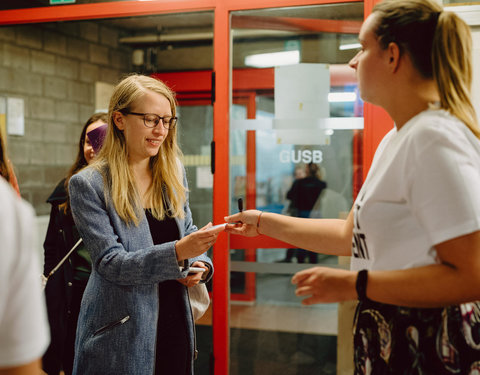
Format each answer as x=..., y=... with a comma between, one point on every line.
x=193, y=270
x=97, y=136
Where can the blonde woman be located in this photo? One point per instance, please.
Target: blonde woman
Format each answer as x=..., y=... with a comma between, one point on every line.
x=414, y=230
x=131, y=209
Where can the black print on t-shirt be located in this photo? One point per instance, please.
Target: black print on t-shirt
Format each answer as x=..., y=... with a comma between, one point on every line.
x=359, y=243
x=359, y=246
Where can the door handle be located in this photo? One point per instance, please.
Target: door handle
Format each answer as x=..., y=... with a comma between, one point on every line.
x=212, y=157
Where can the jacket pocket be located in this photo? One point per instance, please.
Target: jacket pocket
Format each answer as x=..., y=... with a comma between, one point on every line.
x=111, y=326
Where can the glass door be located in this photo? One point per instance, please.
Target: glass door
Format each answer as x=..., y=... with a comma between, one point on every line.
x=295, y=113
x=64, y=71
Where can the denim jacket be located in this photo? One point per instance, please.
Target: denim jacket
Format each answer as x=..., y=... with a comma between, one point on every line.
x=116, y=332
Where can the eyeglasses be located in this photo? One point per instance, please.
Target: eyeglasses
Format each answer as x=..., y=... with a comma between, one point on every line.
x=151, y=120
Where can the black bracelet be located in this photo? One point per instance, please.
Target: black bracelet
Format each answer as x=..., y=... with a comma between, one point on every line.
x=361, y=285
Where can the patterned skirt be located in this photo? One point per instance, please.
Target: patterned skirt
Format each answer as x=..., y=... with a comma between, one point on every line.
x=412, y=341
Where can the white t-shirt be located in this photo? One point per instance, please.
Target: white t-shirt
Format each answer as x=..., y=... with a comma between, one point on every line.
x=24, y=334
x=423, y=188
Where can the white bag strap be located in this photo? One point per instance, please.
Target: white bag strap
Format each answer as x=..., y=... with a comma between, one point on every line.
x=45, y=279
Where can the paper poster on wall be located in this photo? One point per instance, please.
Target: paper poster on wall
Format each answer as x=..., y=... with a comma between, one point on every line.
x=15, y=116
x=103, y=92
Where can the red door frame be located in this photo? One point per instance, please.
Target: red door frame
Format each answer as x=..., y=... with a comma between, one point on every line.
x=194, y=88
x=222, y=9
x=376, y=122
x=247, y=99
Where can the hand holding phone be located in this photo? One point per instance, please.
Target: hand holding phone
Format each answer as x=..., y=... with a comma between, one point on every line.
x=193, y=270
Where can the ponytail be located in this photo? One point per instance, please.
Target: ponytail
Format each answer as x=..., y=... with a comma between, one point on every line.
x=440, y=46
x=452, y=68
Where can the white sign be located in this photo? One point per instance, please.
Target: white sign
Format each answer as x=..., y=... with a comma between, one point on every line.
x=301, y=91
x=15, y=116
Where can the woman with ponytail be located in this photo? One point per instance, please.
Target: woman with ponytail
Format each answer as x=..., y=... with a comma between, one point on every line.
x=414, y=230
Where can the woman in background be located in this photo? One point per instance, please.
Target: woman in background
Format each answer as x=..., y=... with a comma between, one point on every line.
x=64, y=289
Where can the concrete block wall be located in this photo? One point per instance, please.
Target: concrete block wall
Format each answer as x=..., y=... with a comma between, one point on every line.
x=53, y=68
x=41, y=226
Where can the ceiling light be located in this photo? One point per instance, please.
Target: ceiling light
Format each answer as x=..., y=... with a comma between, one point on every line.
x=265, y=60
x=349, y=46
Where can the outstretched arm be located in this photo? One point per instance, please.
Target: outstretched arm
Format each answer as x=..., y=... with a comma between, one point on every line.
x=327, y=236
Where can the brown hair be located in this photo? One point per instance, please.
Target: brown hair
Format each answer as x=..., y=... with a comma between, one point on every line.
x=312, y=169
x=440, y=46
x=80, y=162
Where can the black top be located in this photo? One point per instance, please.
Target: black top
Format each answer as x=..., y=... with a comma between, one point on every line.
x=173, y=349
x=162, y=231
x=305, y=191
x=65, y=287
x=79, y=260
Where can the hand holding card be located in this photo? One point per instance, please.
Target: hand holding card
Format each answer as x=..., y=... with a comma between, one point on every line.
x=216, y=228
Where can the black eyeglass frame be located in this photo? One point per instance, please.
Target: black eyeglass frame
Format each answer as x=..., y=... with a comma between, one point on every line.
x=167, y=125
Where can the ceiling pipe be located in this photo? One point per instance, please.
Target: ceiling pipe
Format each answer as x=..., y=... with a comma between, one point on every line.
x=171, y=38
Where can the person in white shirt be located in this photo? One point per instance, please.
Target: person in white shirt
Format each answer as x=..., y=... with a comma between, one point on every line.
x=414, y=230
x=24, y=334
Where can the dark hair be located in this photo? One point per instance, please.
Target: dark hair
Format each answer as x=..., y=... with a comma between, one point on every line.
x=312, y=169
x=439, y=44
x=80, y=162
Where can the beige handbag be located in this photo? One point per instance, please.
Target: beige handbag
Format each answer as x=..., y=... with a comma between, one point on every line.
x=199, y=300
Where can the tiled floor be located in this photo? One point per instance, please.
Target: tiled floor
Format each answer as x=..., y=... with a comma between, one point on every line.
x=280, y=318
x=276, y=334
x=262, y=352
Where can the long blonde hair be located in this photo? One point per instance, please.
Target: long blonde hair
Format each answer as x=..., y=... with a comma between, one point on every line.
x=440, y=46
x=112, y=161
